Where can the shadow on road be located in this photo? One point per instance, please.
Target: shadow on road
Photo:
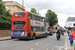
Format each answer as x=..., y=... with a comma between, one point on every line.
x=30, y=39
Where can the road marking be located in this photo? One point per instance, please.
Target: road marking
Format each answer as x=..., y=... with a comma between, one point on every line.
x=42, y=41
x=38, y=43
x=38, y=49
x=47, y=49
x=31, y=48
x=60, y=49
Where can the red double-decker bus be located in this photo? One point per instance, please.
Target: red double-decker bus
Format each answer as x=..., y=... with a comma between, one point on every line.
x=27, y=25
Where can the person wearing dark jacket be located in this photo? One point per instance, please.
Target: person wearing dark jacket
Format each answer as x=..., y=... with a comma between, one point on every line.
x=70, y=38
x=58, y=32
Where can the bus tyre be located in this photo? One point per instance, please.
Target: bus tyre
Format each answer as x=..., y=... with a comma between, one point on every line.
x=33, y=37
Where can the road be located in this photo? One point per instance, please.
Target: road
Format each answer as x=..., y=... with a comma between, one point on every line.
x=48, y=43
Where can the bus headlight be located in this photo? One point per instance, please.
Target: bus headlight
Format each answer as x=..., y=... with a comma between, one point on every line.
x=25, y=34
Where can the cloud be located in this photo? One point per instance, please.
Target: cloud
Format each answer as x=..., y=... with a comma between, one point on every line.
x=63, y=8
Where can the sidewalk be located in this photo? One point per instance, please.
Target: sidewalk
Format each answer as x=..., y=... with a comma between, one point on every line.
x=5, y=38
x=71, y=47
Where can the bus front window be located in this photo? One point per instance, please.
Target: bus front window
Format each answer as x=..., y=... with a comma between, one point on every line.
x=19, y=24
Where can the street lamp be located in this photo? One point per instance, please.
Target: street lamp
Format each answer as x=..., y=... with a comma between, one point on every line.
x=22, y=4
x=38, y=10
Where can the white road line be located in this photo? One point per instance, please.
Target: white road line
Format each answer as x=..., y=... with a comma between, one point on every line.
x=43, y=41
x=47, y=49
x=31, y=48
x=38, y=49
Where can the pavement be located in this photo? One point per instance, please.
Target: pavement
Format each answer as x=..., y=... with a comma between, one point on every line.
x=5, y=38
x=44, y=43
x=67, y=45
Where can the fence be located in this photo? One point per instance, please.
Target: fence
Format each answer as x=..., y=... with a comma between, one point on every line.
x=5, y=26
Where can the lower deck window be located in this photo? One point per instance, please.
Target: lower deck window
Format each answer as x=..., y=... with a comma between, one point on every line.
x=37, y=28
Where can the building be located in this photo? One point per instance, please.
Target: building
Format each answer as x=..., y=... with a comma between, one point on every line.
x=70, y=23
x=13, y=6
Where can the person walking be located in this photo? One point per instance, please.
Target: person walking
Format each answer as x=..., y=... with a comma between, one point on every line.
x=68, y=32
x=70, y=37
x=73, y=35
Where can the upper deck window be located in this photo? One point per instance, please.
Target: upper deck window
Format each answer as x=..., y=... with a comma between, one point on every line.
x=19, y=14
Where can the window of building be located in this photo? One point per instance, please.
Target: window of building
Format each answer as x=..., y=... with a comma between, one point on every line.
x=18, y=9
x=74, y=24
x=10, y=9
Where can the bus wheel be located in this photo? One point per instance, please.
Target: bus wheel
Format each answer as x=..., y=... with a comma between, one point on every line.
x=33, y=37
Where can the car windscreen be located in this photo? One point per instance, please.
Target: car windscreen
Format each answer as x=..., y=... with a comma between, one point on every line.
x=19, y=24
x=19, y=14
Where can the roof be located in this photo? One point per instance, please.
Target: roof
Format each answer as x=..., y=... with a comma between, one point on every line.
x=70, y=19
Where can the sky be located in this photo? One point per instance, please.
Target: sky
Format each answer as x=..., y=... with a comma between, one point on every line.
x=63, y=8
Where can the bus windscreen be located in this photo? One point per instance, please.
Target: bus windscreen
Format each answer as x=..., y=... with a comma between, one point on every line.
x=19, y=24
x=19, y=14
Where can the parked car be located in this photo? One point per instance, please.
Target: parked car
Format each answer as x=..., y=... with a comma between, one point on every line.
x=50, y=33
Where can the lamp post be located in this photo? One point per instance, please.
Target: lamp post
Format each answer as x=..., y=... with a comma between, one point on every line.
x=22, y=4
x=38, y=10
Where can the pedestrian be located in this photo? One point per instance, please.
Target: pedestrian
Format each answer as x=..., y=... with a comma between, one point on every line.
x=70, y=37
x=68, y=32
x=73, y=35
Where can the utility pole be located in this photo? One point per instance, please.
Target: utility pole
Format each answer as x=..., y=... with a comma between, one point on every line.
x=22, y=4
x=38, y=10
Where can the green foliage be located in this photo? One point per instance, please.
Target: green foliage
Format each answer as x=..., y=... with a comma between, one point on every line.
x=5, y=16
x=52, y=17
x=33, y=10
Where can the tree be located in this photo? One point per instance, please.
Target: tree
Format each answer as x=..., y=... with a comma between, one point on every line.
x=52, y=17
x=33, y=10
x=5, y=16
